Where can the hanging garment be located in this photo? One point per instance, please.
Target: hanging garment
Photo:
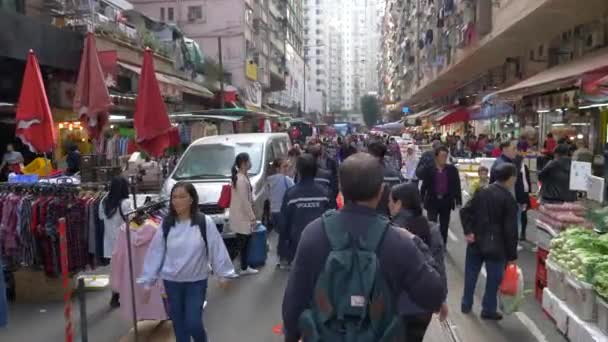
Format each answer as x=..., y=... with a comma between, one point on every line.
x=3, y=301
x=112, y=225
x=141, y=236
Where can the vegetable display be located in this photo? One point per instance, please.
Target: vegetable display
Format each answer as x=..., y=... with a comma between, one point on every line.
x=584, y=255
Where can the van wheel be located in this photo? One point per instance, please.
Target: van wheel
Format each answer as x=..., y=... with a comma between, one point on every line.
x=266, y=215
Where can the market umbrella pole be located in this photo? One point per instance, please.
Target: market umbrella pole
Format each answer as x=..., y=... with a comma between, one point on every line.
x=131, y=278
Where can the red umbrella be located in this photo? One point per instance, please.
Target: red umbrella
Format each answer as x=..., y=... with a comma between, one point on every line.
x=35, y=125
x=92, y=101
x=152, y=125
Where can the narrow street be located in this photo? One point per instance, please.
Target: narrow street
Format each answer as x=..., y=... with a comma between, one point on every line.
x=251, y=308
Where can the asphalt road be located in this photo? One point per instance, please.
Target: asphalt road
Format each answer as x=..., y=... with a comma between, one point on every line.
x=250, y=308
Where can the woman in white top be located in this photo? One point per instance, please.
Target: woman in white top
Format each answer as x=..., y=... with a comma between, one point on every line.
x=242, y=217
x=111, y=211
x=180, y=255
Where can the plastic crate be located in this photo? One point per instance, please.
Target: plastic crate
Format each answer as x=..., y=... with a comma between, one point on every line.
x=581, y=299
x=602, y=315
x=556, y=280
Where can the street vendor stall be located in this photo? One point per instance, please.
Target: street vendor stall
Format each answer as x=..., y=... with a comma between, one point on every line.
x=572, y=260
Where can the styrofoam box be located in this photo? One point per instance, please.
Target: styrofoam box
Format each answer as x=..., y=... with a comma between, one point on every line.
x=581, y=331
x=556, y=280
x=602, y=315
x=580, y=297
x=544, y=235
x=561, y=315
x=548, y=302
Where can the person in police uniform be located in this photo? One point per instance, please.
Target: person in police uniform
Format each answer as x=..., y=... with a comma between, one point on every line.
x=302, y=204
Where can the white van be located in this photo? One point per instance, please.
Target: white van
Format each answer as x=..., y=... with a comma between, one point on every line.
x=207, y=163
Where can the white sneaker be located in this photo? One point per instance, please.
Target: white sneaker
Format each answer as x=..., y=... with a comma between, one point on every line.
x=248, y=271
x=519, y=247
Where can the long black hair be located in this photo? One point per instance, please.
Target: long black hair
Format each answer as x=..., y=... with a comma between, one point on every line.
x=171, y=217
x=119, y=191
x=240, y=159
x=409, y=196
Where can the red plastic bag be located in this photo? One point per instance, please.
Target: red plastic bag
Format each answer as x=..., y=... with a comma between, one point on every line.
x=340, y=200
x=534, y=203
x=225, y=196
x=510, y=281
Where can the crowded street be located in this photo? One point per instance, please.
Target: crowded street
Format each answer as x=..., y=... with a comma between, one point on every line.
x=263, y=295
x=304, y=171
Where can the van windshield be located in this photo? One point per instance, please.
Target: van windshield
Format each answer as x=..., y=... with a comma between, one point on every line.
x=216, y=160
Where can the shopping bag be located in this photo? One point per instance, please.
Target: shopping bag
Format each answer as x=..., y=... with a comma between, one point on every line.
x=510, y=303
x=225, y=196
x=340, y=200
x=509, y=283
x=534, y=203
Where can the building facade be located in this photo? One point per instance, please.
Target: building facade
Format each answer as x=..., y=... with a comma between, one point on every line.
x=316, y=47
x=252, y=34
x=292, y=97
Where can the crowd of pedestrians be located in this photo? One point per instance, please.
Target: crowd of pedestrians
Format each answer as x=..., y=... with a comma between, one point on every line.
x=379, y=250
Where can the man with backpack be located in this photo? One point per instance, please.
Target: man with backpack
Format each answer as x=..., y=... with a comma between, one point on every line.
x=352, y=264
x=489, y=222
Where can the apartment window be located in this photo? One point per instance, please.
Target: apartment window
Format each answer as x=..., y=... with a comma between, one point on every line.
x=170, y=14
x=195, y=13
x=162, y=14
x=318, y=51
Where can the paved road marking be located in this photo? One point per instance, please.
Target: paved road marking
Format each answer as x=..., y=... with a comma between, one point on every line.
x=525, y=320
x=452, y=236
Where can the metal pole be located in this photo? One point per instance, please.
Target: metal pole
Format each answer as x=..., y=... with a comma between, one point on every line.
x=304, y=110
x=219, y=57
x=131, y=279
x=82, y=299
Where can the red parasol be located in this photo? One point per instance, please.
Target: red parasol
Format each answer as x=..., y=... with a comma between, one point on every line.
x=92, y=101
x=35, y=125
x=152, y=124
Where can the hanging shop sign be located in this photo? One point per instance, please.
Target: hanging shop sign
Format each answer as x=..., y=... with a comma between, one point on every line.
x=568, y=99
x=251, y=70
x=253, y=94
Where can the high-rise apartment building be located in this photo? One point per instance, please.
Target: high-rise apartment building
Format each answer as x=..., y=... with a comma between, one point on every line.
x=316, y=54
x=335, y=68
x=252, y=33
x=361, y=44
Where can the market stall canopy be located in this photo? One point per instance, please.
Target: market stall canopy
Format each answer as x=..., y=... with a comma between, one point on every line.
x=35, y=125
x=455, y=115
x=195, y=117
x=151, y=120
x=186, y=86
x=411, y=119
x=92, y=100
x=561, y=76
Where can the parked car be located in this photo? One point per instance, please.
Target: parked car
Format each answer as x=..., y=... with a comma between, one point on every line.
x=207, y=163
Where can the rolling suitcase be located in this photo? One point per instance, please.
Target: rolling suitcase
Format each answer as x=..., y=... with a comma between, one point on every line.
x=257, y=249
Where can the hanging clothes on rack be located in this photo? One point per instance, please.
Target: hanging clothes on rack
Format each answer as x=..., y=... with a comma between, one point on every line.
x=29, y=231
x=141, y=237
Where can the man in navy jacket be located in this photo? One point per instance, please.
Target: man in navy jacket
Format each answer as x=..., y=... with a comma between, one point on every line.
x=302, y=204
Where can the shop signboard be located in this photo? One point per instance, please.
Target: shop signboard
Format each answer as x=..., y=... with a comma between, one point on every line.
x=251, y=71
x=596, y=189
x=579, y=176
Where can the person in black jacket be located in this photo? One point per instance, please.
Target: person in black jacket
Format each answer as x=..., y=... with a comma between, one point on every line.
x=521, y=189
x=492, y=239
x=327, y=172
x=555, y=177
x=302, y=204
x=406, y=212
x=440, y=190
x=404, y=266
x=391, y=177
